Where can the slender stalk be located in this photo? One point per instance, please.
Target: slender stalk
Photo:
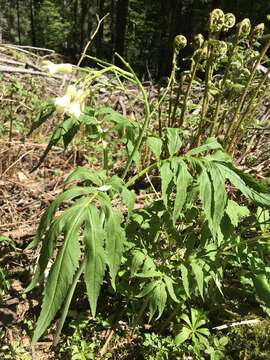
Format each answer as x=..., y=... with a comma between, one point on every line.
x=206, y=89
x=225, y=76
x=67, y=303
x=140, y=174
x=247, y=111
x=244, y=95
x=146, y=121
x=91, y=38
x=184, y=108
x=179, y=90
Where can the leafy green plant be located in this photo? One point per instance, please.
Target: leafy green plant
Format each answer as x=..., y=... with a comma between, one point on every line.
x=179, y=248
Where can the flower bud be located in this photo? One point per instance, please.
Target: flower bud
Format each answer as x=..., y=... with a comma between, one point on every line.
x=216, y=21
x=56, y=68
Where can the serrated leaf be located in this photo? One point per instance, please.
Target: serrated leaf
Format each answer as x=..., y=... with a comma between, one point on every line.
x=199, y=276
x=96, y=177
x=48, y=215
x=60, y=276
x=166, y=177
x=129, y=198
x=251, y=189
x=147, y=289
x=169, y=286
x=158, y=300
x=219, y=196
x=174, y=142
x=206, y=196
x=262, y=286
x=49, y=241
x=210, y=144
x=137, y=261
x=95, y=256
x=42, y=116
x=149, y=274
x=182, y=182
x=155, y=144
x=236, y=212
x=183, y=336
x=185, y=278
x=115, y=237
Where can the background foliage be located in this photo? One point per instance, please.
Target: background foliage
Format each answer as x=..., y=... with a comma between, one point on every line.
x=141, y=30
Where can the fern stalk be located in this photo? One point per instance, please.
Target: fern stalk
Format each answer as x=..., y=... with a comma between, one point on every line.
x=225, y=76
x=236, y=115
x=193, y=74
x=248, y=108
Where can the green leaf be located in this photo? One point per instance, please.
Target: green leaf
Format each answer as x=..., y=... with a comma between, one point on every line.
x=206, y=196
x=169, y=284
x=210, y=144
x=64, y=128
x=185, y=278
x=115, y=237
x=155, y=144
x=48, y=215
x=166, y=177
x=174, y=142
x=199, y=276
x=95, y=256
x=220, y=196
x=137, y=261
x=236, y=212
x=262, y=286
x=49, y=241
x=97, y=177
x=158, y=299
x=251, y=189
x=183, y=336
x=149, y=287
x=129, y=198
x=42, y=116
x=182, y=182
x=61, y=275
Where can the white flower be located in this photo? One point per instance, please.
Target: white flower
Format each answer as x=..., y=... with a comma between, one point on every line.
x=56, y=68
x=72, y=91
x=62, y=103
x=104, y=188
x=74, y=109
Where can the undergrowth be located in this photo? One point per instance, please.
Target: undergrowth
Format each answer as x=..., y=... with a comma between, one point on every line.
x=169, y=266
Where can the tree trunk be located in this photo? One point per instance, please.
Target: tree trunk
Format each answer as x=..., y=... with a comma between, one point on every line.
x=85, y=23
x=18, y=20
x=32, y=21
x=120, y=28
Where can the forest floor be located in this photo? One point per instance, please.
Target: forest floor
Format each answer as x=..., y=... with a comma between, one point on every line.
x=24, y=195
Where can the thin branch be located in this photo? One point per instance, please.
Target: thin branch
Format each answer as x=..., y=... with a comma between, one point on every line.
x=91, y=38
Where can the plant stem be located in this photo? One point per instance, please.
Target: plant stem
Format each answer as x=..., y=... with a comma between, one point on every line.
x=247, y=111
x=192, y=77
x=243, y=97
x=140, y=174
x=67, y=303
x=147, y=116
x=225, y=76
